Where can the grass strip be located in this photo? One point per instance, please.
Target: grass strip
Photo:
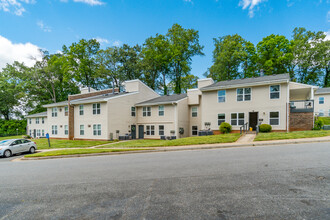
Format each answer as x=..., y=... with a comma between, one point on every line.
x=291, y=135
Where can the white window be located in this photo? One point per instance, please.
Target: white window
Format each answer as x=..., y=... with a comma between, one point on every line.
x=243, y=94
x=81, y=109
x=321, y=112
x=221, y=118
x=97, y=130
x=54, y=112
x=194, y=130
x=43, y=133
x=161, y=110
x=66, y=110
x=222, y=96
x=274, y=92
x=30, y=132
x=66, y=130
x=161, y=130
x=54, y=129
x=274, y=118
x=82, y=130
x=96, y=109
x=237, y=119
x=133, y=111
x=30, y=121
x=43, y=120
x=38, y=133
x=194, y=112
x=321, y=100
x=37, y=121
x=150, y=130
x=146, y=111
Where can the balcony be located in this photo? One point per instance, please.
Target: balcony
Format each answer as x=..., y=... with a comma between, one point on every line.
x=302, y=106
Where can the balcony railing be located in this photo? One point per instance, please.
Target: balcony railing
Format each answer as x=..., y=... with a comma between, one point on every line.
x=302, y=106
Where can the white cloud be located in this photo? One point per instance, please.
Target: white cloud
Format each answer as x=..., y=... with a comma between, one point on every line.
x=10, y=52
x=101, y=40
x=327, y=35
x=116, y=43
x=44, y=27
x=14, y=6
x=251, y=5
x=90, y=2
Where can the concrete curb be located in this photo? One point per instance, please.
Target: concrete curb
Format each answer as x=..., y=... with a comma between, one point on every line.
x=199, y=147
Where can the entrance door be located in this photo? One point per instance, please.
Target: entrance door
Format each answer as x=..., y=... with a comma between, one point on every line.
x=141, y=131
x=133, y=131
x=34, y=133
x=253, y=120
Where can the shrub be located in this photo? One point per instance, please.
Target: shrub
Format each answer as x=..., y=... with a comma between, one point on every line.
x=265, y=128
x=318, y=124
x=225, y=128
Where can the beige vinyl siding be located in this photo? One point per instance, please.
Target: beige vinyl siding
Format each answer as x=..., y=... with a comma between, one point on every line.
x=325, y=107
x=183, y=117
x=61, y=120
x=260, y=102
x=39, y=126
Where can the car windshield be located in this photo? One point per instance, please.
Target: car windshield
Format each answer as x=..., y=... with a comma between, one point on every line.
x=5, y=142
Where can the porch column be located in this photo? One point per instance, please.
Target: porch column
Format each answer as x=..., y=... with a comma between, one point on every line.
x=312, y=93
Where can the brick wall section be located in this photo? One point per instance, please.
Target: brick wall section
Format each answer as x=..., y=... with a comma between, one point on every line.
x=81, y=96
x=301, y=121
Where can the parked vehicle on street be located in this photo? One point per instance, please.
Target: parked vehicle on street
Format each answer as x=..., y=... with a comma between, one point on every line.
x=14, y=146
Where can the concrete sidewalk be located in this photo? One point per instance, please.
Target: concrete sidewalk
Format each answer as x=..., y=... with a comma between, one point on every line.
x=248, y=143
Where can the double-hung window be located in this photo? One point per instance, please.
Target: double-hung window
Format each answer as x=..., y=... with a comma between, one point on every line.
x=321, y=112
x=194, y=112
x=96, y=108
x=38, y=133
x=133, y=111
x=97, y=130
x=274, y=118
x=43, y=120
x=37, y=121
x=274, y=92
x=54, y=112
x=81, y=109
x=43, y=133
x=150, y=129
x=237, y=119
x=146, y=111
x=30, y=121
x=222, y=96
x=243, y=94
x=161, y=110
x=82, y=130
x=66, y=110
x=221, y=118
x=321, y=100
x=66, y=130
x=54, y=129
x=161, y=130
x=194, y=130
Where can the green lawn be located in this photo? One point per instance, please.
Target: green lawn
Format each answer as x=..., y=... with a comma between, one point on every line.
x=290, y=135
x=78, y=151
x=326, y=120
x=213, y=139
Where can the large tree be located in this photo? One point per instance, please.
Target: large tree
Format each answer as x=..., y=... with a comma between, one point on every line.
x=184, y=45
x=82, y=61
x=130, y=59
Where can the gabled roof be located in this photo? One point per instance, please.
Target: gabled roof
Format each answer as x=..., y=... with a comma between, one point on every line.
x=323, y=91
x=64, y=103
x=166, y=99
x=41, y=114
x=262, y=80
x=100, y=98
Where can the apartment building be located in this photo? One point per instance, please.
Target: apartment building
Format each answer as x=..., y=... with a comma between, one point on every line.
x=322, y=102
x=142, y=113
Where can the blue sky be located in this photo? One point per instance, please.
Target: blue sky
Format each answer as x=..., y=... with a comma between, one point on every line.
x=26, y=25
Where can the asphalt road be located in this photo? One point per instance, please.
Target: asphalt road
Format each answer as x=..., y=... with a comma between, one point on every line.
x=272, y=182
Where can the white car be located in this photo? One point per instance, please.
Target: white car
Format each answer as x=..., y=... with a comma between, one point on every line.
x=15, y=146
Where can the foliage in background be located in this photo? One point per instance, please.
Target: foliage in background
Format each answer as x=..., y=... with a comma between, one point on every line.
x=12, y=127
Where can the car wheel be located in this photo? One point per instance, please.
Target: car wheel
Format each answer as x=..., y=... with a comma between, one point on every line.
x=7, y=153
x=32, y=150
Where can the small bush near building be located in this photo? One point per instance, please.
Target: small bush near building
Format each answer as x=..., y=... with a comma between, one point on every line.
x=318, y=124
x=225, y=128
x=265, y=128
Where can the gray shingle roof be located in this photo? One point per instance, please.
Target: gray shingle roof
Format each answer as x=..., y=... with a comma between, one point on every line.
x=98, y=98
x=256, y=80
x=166, y=99
x=41, y=114
x=323, y=90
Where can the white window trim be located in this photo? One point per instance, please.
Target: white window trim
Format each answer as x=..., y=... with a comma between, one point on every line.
x=54, y=128
x=96, y=112
x=244, y=94
x=321, y=111
x=81, y=110
x=54, y=112
x=221, y=119
x=160, y=130
x=146, y=111
x=194, y=130
x=133, y=111
x=97, y=130
x=323, y=101
x=37, y=121
x=161, y=110
x=279, y=96
x=225, y=95
x=82, y=130
x=66, y=126
x=193, y=112
x=237, y=114
x=279, y=116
